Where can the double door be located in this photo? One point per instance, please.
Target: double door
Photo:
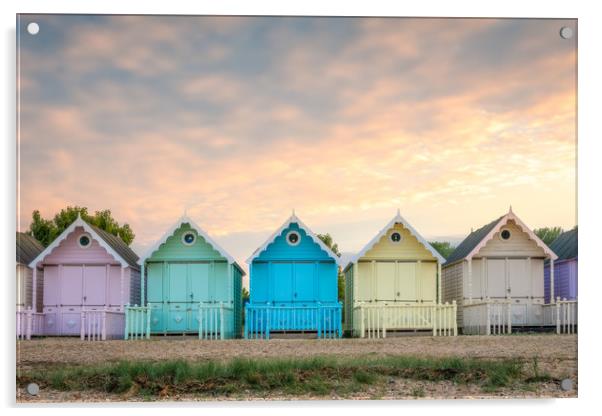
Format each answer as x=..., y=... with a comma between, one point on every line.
x=174, y=293
x=294, y=282
x=397, y=281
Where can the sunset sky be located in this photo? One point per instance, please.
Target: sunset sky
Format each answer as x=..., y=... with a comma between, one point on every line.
x=238, y=120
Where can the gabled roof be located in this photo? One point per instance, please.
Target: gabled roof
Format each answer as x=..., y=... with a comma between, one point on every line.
x=294, y=219
x=115, y=246
x=477, y=239
x=397, y=219
x=28, y=248
x=565, y=245
x=186, y=220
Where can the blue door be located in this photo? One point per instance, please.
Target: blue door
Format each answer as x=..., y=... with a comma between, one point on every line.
x=282, y=282
x=305, y=282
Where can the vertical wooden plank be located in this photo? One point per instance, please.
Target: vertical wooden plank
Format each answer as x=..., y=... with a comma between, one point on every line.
x=552, y=280
x=469, y=280
x=439, y=289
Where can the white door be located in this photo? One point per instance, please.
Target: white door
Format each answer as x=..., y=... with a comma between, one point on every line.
x=496, y=278
x=519, y=278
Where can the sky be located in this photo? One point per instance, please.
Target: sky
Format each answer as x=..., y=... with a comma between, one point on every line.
x=239, y=120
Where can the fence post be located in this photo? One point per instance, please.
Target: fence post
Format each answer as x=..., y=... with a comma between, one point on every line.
x=247, y=316
x=127, y=317
x=558, y=315
x=488, y=318
x=362, y=325
x=509, y=306
x=82, y=323
x=148, y=321
x=221, y=320
x=28, y=322
x=104, y=325
x=455, y=317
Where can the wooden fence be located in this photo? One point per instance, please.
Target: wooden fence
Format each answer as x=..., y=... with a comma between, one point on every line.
x=29, y=323
x=488, y=318
x=216, y=321
x=374, y=320
x=562, y=314
x=261, y=320
x=100, y=325
x=137, y=322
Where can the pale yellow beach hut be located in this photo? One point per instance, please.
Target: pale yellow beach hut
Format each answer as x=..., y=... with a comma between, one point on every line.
x=393, y=285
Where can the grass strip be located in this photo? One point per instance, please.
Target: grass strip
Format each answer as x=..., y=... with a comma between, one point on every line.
x=319, y=375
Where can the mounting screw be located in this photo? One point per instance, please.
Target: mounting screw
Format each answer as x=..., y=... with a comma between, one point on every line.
x=33, y=389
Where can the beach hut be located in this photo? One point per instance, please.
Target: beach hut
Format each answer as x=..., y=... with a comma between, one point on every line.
x=89, y=277
x=28, y=248
x=193, y=286
x=496, y=276
x=392, y=284
x=293, y=279
x=565, y=267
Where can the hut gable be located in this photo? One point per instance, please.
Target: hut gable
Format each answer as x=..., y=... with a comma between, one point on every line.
x=170, y=246
x=310, y=247
x=411, y=247
x=104, y=248
x=487, y=241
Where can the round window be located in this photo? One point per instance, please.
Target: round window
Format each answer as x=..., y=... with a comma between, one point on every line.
x=84, y=240
x=395, y=237
x=293, y=238
x=505, y=234
x=188, y=238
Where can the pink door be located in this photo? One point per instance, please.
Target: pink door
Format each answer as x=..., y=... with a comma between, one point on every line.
x=71, y=290
x=95, y=286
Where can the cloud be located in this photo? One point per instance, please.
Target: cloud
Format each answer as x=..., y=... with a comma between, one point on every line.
x=240, y=120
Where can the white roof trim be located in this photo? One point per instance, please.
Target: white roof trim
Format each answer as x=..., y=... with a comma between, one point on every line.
x=294, y=219
x=503, y=221
x=183, y=220
x=79, y=222
x=397, y=219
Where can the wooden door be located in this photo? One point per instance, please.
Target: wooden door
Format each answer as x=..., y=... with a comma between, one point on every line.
x=364, y=281
x=198, y=282
x=305, y=282
x=95, y=286
x=71, y=299
x=385, y=281
x=178, y=297
x=496, y=278
x=519, y=282
x=282, y=282
x=155, y=296
x=406, y=281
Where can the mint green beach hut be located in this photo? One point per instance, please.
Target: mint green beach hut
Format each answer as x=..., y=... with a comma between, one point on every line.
x=193, y=286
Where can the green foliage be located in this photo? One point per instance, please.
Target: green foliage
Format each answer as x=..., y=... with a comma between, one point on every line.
x=318, y=375
x=445, y=248
x=245, y=294
x=46, y=231
x=548, y=234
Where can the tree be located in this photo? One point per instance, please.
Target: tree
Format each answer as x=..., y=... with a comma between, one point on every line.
x=327, y=239
x=245, y=295
x=443, y=247
x=548, y=234
x=46, y=231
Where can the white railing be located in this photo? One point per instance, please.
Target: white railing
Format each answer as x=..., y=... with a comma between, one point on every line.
x=29, y=323
x=100, y=325
x=374, y=320
x=216, y=321
x=137, y=322
x=487, y=317
x=562, y=314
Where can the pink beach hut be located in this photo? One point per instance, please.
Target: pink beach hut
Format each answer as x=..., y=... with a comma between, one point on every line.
x=90, y=276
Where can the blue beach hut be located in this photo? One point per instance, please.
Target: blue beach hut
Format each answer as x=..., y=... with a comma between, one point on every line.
x=293, y=280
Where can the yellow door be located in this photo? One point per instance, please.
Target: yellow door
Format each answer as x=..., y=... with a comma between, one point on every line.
x=385, y=281
x=406, y=281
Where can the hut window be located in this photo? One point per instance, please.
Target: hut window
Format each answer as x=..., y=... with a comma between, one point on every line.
x=395, y=237
x=505, y=234
x=84, y=240
x=188, y=238
x=293, y=238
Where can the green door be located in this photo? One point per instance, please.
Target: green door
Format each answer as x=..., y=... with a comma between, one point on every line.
x=179, y=298
x=155, y=296
x=198, y=285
